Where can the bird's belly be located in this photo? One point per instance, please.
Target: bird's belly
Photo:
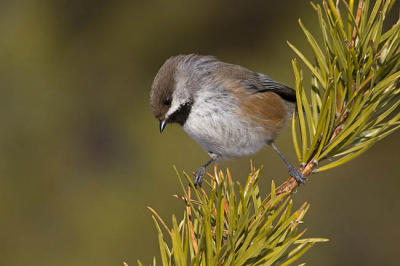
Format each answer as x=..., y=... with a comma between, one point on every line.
x=224, y=133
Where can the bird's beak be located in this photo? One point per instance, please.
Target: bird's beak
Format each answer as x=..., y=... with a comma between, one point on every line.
x=163, y=123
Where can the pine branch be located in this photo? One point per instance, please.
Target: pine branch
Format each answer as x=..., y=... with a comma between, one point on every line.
x=355, y=88
x=227, y=224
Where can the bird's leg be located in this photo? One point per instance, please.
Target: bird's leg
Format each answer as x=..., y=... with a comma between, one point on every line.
x=202, y=170
x=293, y=171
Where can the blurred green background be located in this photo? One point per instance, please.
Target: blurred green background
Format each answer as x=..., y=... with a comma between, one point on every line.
x=81, y=156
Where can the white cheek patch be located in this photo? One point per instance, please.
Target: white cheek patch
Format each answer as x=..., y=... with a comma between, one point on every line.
x=180, y=96
x=174, y=107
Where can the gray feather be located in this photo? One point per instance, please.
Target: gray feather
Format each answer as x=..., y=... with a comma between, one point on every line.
x=265, y=83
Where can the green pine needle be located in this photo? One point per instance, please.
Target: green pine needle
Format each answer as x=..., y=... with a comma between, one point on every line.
x=355, y=83
x=231, y=225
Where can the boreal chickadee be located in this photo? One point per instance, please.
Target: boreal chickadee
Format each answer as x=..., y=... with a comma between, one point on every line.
x=229, y=110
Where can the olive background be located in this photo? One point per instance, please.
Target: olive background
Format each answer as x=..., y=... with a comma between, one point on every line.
x=81, y=155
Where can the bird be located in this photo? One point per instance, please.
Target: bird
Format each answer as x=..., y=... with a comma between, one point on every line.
x=229, y=110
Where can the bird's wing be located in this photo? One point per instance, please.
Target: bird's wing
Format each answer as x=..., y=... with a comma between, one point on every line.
x=253, y=82
x=263, y=83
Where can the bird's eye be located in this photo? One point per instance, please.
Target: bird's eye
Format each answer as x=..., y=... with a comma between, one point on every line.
x=167, y=102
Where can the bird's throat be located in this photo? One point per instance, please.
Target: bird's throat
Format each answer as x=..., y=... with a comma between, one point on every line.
x=181, y=114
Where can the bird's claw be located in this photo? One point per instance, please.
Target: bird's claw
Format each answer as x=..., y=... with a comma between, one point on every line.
x=297, y=175
x=199, y=176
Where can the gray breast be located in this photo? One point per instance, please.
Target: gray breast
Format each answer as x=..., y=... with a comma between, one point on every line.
x=214, y=122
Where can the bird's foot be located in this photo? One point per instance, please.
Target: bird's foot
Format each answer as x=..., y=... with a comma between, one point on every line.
x=293, y=171
x=199, y=176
